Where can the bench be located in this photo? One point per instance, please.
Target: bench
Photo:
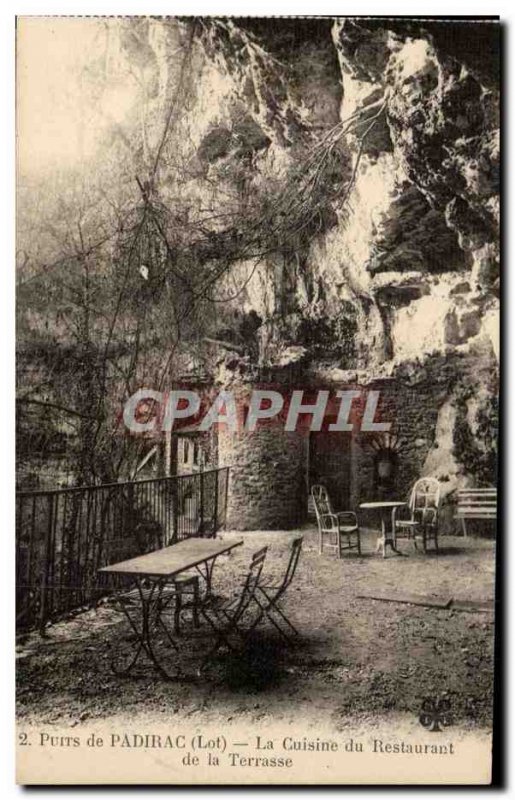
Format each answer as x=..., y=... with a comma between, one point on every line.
x=476, y=504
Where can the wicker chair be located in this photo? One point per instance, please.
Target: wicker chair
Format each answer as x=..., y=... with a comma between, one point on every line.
x=338, y=530
x=423, y=514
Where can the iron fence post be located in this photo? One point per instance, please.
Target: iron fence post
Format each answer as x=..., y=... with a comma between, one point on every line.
x=215, y=516
x=175, y=507
x=201, y=500
x=43, y=613
x=226, y=493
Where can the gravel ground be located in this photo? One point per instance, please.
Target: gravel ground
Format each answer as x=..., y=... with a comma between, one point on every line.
x=356, y=658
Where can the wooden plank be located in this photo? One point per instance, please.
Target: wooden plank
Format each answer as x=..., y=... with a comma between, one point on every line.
x=477, y=500
x=472, y=509
x=406, y=597
x=477, y=491
x=477, y=509
x=477, y=494
x=482, y=606
x=479, y=606
x=476, y=516
x=487, y=513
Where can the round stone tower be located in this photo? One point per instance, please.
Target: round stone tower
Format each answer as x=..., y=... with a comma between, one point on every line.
x=267, y=481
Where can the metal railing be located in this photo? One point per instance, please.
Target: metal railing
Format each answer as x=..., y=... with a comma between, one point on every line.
x=64, y=536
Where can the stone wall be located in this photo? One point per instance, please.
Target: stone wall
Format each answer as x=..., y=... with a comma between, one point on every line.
x=268, y=488
x=421, y=402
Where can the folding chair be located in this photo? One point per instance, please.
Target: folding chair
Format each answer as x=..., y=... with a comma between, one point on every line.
x=225, y=615
x=268, y=597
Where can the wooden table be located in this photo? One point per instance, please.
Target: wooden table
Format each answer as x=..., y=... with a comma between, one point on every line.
x=386, y=507
x=151, y=573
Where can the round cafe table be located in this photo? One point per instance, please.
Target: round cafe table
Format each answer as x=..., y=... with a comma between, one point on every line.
x=386, y=507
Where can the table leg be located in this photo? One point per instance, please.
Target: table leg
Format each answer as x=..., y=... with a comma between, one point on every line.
x=129, y=652
x=387, y=538
x=155, y=625
x=150, y=611
x=127, y=655
x=392, y=539
x=394, y=534
x=207, y=573
x=381, y=540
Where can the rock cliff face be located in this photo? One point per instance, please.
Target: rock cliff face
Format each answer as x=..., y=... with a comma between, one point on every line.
x=399, y=266
x=439, y=138
x=367, y=155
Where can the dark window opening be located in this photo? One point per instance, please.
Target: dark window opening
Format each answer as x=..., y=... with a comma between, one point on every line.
x=385, y=471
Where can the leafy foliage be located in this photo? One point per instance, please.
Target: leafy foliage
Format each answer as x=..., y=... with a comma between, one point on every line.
x=125, y=263
x=477, y=449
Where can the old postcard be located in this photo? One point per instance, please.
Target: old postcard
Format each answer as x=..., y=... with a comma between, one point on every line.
x=257, y=399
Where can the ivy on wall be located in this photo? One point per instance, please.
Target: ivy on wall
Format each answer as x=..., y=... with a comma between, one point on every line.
x=477, y=450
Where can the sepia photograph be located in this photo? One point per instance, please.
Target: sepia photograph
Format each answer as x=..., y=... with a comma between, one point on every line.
x=257, y=399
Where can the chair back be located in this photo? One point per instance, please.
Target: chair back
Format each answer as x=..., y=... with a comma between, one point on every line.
x=321, y=501
x=425, y=499
x=319, y=492
x=251, y=580
x=296, y=547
